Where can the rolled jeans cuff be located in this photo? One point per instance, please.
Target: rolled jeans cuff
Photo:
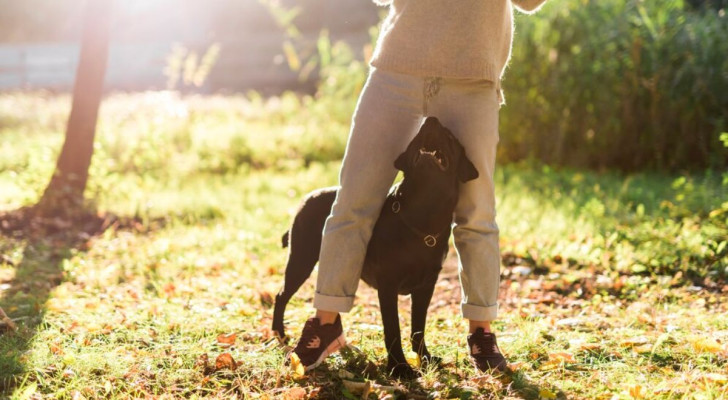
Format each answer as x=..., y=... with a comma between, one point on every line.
x=333, y=303
x=479, y=313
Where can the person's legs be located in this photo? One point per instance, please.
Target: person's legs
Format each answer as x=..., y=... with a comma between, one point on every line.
x=469, y=108
x=385, y=120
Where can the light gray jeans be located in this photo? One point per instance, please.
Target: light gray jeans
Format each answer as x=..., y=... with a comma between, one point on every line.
x=390, y=110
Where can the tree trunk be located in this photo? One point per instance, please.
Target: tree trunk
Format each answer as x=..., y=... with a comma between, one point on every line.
x=68, y=183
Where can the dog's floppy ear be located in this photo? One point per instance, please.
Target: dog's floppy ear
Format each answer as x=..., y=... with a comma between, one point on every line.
x=466, y=170
x=401, y=162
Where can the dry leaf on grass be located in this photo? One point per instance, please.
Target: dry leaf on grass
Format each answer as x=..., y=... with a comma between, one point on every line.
x=635, y=341
x=546, y=394
x=705, y=345
x=642, y=349
x=169, y=288
x=295, y=393
x=226, y=340
x=56, y=349
x=361, y=387
x=296, y=367
x=635, y=392
x=582, y=345
x=225, y=360
x=561, y=357
x=266, y=299
x=6, y=321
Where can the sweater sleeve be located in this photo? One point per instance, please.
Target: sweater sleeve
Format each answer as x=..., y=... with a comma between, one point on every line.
x=527, y=6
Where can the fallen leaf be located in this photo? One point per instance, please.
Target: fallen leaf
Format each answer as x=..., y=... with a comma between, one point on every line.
x=225, y=360
x=56, y=349
x=266, y=299
x=673, y=386
x=642, y=349
x=296, y=367
x=519, y=365
x=588, y=346
x=7, y=321
x=561, y=357
x=635, y=341
x=635, y=391
x=226, y=340
x=705, y=345
x=546, y=394
x=169, y=288
x=412, y=358
x=361, y=387
x=295, y=393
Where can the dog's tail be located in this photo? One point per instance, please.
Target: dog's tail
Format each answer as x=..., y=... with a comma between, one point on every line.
x=284, y=239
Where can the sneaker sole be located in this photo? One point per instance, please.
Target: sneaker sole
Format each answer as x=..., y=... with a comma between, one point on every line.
x=333, y=347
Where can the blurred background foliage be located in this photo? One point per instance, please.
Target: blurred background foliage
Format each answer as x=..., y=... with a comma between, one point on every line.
x=624, y=85
x=605, y=85
x=617, y=84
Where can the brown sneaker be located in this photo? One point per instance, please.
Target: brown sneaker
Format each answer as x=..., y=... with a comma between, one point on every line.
x=484, y=352
x=318, y=341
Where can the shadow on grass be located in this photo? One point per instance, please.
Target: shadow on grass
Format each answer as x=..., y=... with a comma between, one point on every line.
x=355, y=373
x=35, y=248
x=530, y=390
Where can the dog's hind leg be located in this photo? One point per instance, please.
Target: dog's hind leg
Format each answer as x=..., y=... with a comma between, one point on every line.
x=301, y=261
x=304, y=240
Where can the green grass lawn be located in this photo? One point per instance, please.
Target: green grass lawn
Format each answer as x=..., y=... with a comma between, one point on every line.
x=613, y=286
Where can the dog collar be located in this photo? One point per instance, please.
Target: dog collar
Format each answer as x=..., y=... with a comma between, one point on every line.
x=429, y=239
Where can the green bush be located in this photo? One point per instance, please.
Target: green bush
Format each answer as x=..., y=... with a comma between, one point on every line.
x=618, y=84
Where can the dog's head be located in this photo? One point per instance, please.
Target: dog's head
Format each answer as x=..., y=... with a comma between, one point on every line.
x=436, y=157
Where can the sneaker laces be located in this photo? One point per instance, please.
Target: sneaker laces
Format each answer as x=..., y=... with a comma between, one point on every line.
x=484, y=350
x=484, y=344
x=308, y=335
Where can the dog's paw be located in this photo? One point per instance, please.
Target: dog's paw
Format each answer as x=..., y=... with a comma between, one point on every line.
x=428, y=360
x=402, y=371
x=281, y=337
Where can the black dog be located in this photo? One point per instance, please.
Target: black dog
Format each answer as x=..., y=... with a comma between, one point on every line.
x=409, y=242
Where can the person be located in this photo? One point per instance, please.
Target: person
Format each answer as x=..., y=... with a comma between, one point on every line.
x=442, y=58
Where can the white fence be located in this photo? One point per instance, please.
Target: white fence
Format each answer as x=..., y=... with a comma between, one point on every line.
x=254, y=62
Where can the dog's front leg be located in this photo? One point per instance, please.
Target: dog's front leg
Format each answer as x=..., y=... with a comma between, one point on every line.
x=420, y=301
x=397, y=364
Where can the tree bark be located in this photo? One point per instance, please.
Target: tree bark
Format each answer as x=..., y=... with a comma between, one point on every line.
x=68, y=183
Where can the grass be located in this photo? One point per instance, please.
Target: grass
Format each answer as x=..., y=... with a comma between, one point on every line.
x=613, y=286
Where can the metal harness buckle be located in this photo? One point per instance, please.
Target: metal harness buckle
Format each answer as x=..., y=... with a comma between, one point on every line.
x=430, y=241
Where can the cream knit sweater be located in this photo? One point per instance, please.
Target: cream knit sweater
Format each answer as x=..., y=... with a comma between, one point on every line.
x=448, y=38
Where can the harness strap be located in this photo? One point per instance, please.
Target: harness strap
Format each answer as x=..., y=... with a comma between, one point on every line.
x=430, y=240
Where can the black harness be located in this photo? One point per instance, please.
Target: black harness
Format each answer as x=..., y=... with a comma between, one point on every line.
x=430, y=239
